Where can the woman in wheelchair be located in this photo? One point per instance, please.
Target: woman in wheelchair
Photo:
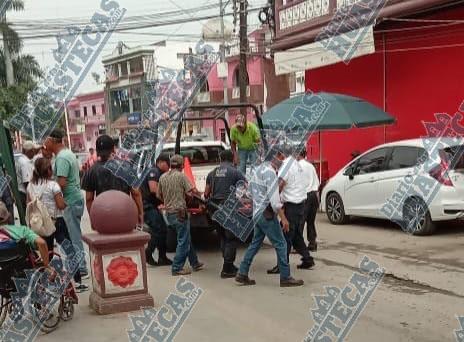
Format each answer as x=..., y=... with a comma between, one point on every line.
x=18, y=245
x=11, y=235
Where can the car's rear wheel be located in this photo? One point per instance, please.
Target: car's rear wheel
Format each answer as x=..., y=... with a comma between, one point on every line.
x=335, y=209
x=416, y=217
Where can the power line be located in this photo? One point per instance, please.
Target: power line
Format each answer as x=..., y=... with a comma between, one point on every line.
x=136, y=27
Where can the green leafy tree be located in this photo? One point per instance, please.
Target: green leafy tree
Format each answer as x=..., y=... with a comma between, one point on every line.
x=18, y=72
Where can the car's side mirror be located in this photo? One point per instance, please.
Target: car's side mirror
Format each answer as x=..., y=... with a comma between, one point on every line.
x=350, y=173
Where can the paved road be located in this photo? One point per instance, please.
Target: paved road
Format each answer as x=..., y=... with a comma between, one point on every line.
x=417, y=300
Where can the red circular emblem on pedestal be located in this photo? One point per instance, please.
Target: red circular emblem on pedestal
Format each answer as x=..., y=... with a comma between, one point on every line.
x=122, y=271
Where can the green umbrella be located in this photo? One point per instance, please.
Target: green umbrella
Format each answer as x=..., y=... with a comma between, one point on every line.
x=323, y=111
x=341, y=112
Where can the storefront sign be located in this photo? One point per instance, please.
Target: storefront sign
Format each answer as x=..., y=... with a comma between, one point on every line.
x=134, y=118
x=315, y=55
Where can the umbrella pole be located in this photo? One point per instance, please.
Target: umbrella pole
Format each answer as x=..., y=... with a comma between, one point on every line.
x=320, y=162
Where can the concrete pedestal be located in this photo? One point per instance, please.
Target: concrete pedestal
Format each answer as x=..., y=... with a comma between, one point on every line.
x=119, y=274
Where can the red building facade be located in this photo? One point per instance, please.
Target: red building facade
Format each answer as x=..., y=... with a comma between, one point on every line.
x=414, y=73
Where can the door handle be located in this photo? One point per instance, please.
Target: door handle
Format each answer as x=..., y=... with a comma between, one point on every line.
x=372, y=179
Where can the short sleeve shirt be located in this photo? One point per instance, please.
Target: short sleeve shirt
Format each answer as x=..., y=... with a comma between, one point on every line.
x=148, y=197
x=246, y=140
x=99, y=179
x=47, y=190
x=173, y=186
x=24, y=169
x=22, y=232
x=221, y=179
x=295, y=189
x=66, y=165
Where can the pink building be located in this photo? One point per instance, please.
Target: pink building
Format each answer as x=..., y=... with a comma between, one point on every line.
x=86, y=114
x=264, y=88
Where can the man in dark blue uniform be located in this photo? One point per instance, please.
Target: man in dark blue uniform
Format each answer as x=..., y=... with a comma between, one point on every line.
x=152, y=216
x=218, y=188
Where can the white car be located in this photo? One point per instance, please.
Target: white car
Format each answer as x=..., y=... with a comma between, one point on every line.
x=411, y=182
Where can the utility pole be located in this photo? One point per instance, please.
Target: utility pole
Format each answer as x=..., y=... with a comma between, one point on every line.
x=223, y=57
x=7, y=56
x=243, y=53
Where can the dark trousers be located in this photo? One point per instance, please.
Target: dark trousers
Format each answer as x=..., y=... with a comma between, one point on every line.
x=229, y=243
x=158, y=230
x=61, y=233
x=311, y=205
x=294, y=237
x=22, y=200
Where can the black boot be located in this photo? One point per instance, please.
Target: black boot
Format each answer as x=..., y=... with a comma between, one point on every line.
x=229, y=271
x=163, y=260
x=149, y=258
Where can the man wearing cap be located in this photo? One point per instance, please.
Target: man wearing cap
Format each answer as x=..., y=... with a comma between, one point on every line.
x=24, y=169
x=244, y=138
x=99, y=179
x=66, y=171
x=152, y=216
x=173, y=186
x=219, y=183
x=264, y=187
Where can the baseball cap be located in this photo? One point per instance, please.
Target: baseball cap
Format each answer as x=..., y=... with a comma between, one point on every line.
x=4, y=213
x=104, y=143
x=29, y=145
x=177, y=160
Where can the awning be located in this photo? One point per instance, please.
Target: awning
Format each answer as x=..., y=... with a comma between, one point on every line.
x=317, y=54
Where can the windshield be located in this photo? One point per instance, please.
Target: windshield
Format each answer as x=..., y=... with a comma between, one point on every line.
x=199, y=155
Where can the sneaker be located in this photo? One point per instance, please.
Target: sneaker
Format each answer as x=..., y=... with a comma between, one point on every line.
x=198, y=267
x=274, y=270
x=306, y=265
x=244, y=280
x=164, y=261
x=181, y=272
x=81, y=288
x=291, y=282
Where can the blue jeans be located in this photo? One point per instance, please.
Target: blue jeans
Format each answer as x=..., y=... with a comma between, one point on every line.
x=245, y=156
x=184, y=248
x=273, y=231
x=155, y=221
x=72, y=216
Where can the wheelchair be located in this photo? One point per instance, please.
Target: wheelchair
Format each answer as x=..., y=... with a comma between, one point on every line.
x=17, y=258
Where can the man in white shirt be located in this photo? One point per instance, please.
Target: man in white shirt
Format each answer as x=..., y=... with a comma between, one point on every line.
x=24, y=169
x=293, y=195
x=266, y=206
x=311, y=182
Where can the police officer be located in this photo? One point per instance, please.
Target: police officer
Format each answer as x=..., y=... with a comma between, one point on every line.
x=219, y=183
x=152, y=216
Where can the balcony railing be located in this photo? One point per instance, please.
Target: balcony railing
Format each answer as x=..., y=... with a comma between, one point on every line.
x=98, y=119
x=236, y=92
x=203, y=97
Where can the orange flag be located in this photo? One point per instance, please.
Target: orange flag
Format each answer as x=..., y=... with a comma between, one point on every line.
x=188, y=171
